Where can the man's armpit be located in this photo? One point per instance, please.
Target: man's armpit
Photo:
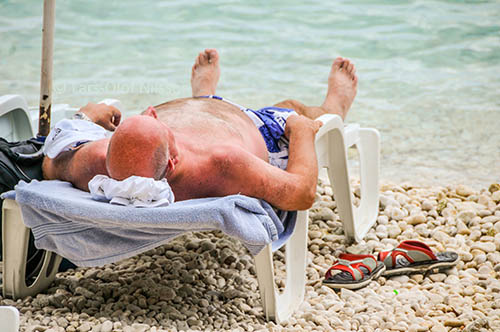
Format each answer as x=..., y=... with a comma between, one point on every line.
x=57, y=168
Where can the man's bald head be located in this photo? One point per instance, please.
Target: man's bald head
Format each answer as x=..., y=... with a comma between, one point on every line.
x=139, y=146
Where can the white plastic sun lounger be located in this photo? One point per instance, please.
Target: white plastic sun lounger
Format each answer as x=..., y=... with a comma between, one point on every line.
x=332, y=142
x=9, y=319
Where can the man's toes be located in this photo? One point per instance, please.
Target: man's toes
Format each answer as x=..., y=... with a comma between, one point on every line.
x=350, y=68
x=345, y=65
x=337, y=63
x=203, y=59
x=198, y=59
x=213, y=55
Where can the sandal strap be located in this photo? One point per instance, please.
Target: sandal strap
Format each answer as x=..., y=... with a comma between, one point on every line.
x=353, y=266
x=368, y=261
x=411, y=250
x=345, y=265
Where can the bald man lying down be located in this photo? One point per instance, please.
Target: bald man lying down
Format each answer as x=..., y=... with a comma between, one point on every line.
x=206, y=146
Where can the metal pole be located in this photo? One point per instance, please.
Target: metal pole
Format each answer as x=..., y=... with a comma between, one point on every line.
x=49, y=7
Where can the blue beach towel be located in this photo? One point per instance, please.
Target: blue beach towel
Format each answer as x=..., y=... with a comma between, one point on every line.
x=67, y=221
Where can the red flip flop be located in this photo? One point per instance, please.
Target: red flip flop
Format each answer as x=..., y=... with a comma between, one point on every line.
x=353, y=271
x=415, y=257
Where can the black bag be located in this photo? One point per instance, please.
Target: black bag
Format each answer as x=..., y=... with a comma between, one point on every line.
x=21, y=161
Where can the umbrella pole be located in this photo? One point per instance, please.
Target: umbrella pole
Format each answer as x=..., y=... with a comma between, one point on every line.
x=49, y=7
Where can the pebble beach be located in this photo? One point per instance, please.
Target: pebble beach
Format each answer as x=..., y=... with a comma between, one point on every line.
x=427, y=82
x=207, y=281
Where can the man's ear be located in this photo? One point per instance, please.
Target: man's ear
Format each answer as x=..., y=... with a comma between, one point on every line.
x=170, y=164
x=151, y=111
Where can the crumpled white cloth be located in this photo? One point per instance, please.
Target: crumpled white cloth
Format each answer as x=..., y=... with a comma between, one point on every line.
x=136, y=191
x=68, y=134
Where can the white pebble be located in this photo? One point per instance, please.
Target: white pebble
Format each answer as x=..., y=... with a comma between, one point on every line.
x=422, y=230
x=383, y=220
x=393, y=231
x=484, y=246
x=466, y=216
x=464, y=190
x=485, y=270
x=416, y=219
x=440, y=236
x=107, y=326
x=438, y=277
x=398, y=214
x=496, y=196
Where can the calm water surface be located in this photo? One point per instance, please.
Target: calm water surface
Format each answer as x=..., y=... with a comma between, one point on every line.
x=429, y=71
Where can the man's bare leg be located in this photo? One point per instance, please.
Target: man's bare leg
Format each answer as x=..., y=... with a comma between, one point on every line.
x=205, y=73
x=342, y=88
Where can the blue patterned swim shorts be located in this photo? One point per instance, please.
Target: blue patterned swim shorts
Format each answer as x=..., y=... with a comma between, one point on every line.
x=271, y=123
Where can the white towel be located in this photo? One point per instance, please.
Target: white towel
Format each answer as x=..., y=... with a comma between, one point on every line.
x=135, y=191
x=68, y=134
x=69, y=222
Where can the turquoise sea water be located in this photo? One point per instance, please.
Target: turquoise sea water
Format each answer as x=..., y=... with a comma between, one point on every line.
x=429, y=71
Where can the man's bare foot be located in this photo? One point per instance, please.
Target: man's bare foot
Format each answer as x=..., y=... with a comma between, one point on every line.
x=205, y=73
x=342, y=87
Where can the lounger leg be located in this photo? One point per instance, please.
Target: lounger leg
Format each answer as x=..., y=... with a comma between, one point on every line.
x=338, y=174
x=332, y=142
x=265, y=276
x=9, y=319
x=369, y=151
x=279, y=307
x=15, y=248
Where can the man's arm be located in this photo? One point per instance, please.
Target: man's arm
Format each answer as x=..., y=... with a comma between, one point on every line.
x=81, y=165
x=293, y=189
x=104, y=115
x=78, y=166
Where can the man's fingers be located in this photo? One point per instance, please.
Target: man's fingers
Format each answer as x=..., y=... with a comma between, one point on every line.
x=117, y=116
x=108, y=125
x=317, y=125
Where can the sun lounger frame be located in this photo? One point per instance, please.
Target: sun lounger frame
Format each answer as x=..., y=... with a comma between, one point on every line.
x=332, y=142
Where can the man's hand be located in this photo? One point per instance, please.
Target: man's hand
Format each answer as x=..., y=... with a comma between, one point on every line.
x=104, y=115
x=300, y=124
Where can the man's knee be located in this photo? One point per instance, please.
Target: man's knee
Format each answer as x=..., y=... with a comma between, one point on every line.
x=293, y=104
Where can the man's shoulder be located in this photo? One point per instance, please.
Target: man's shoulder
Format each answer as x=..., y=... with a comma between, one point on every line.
x=216, y=159
x=224, y=161
x=230, y=153
x=211, y=172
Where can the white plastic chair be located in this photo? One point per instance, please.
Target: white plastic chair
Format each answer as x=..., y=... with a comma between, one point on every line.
x=332, y=142
x=9, y=319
